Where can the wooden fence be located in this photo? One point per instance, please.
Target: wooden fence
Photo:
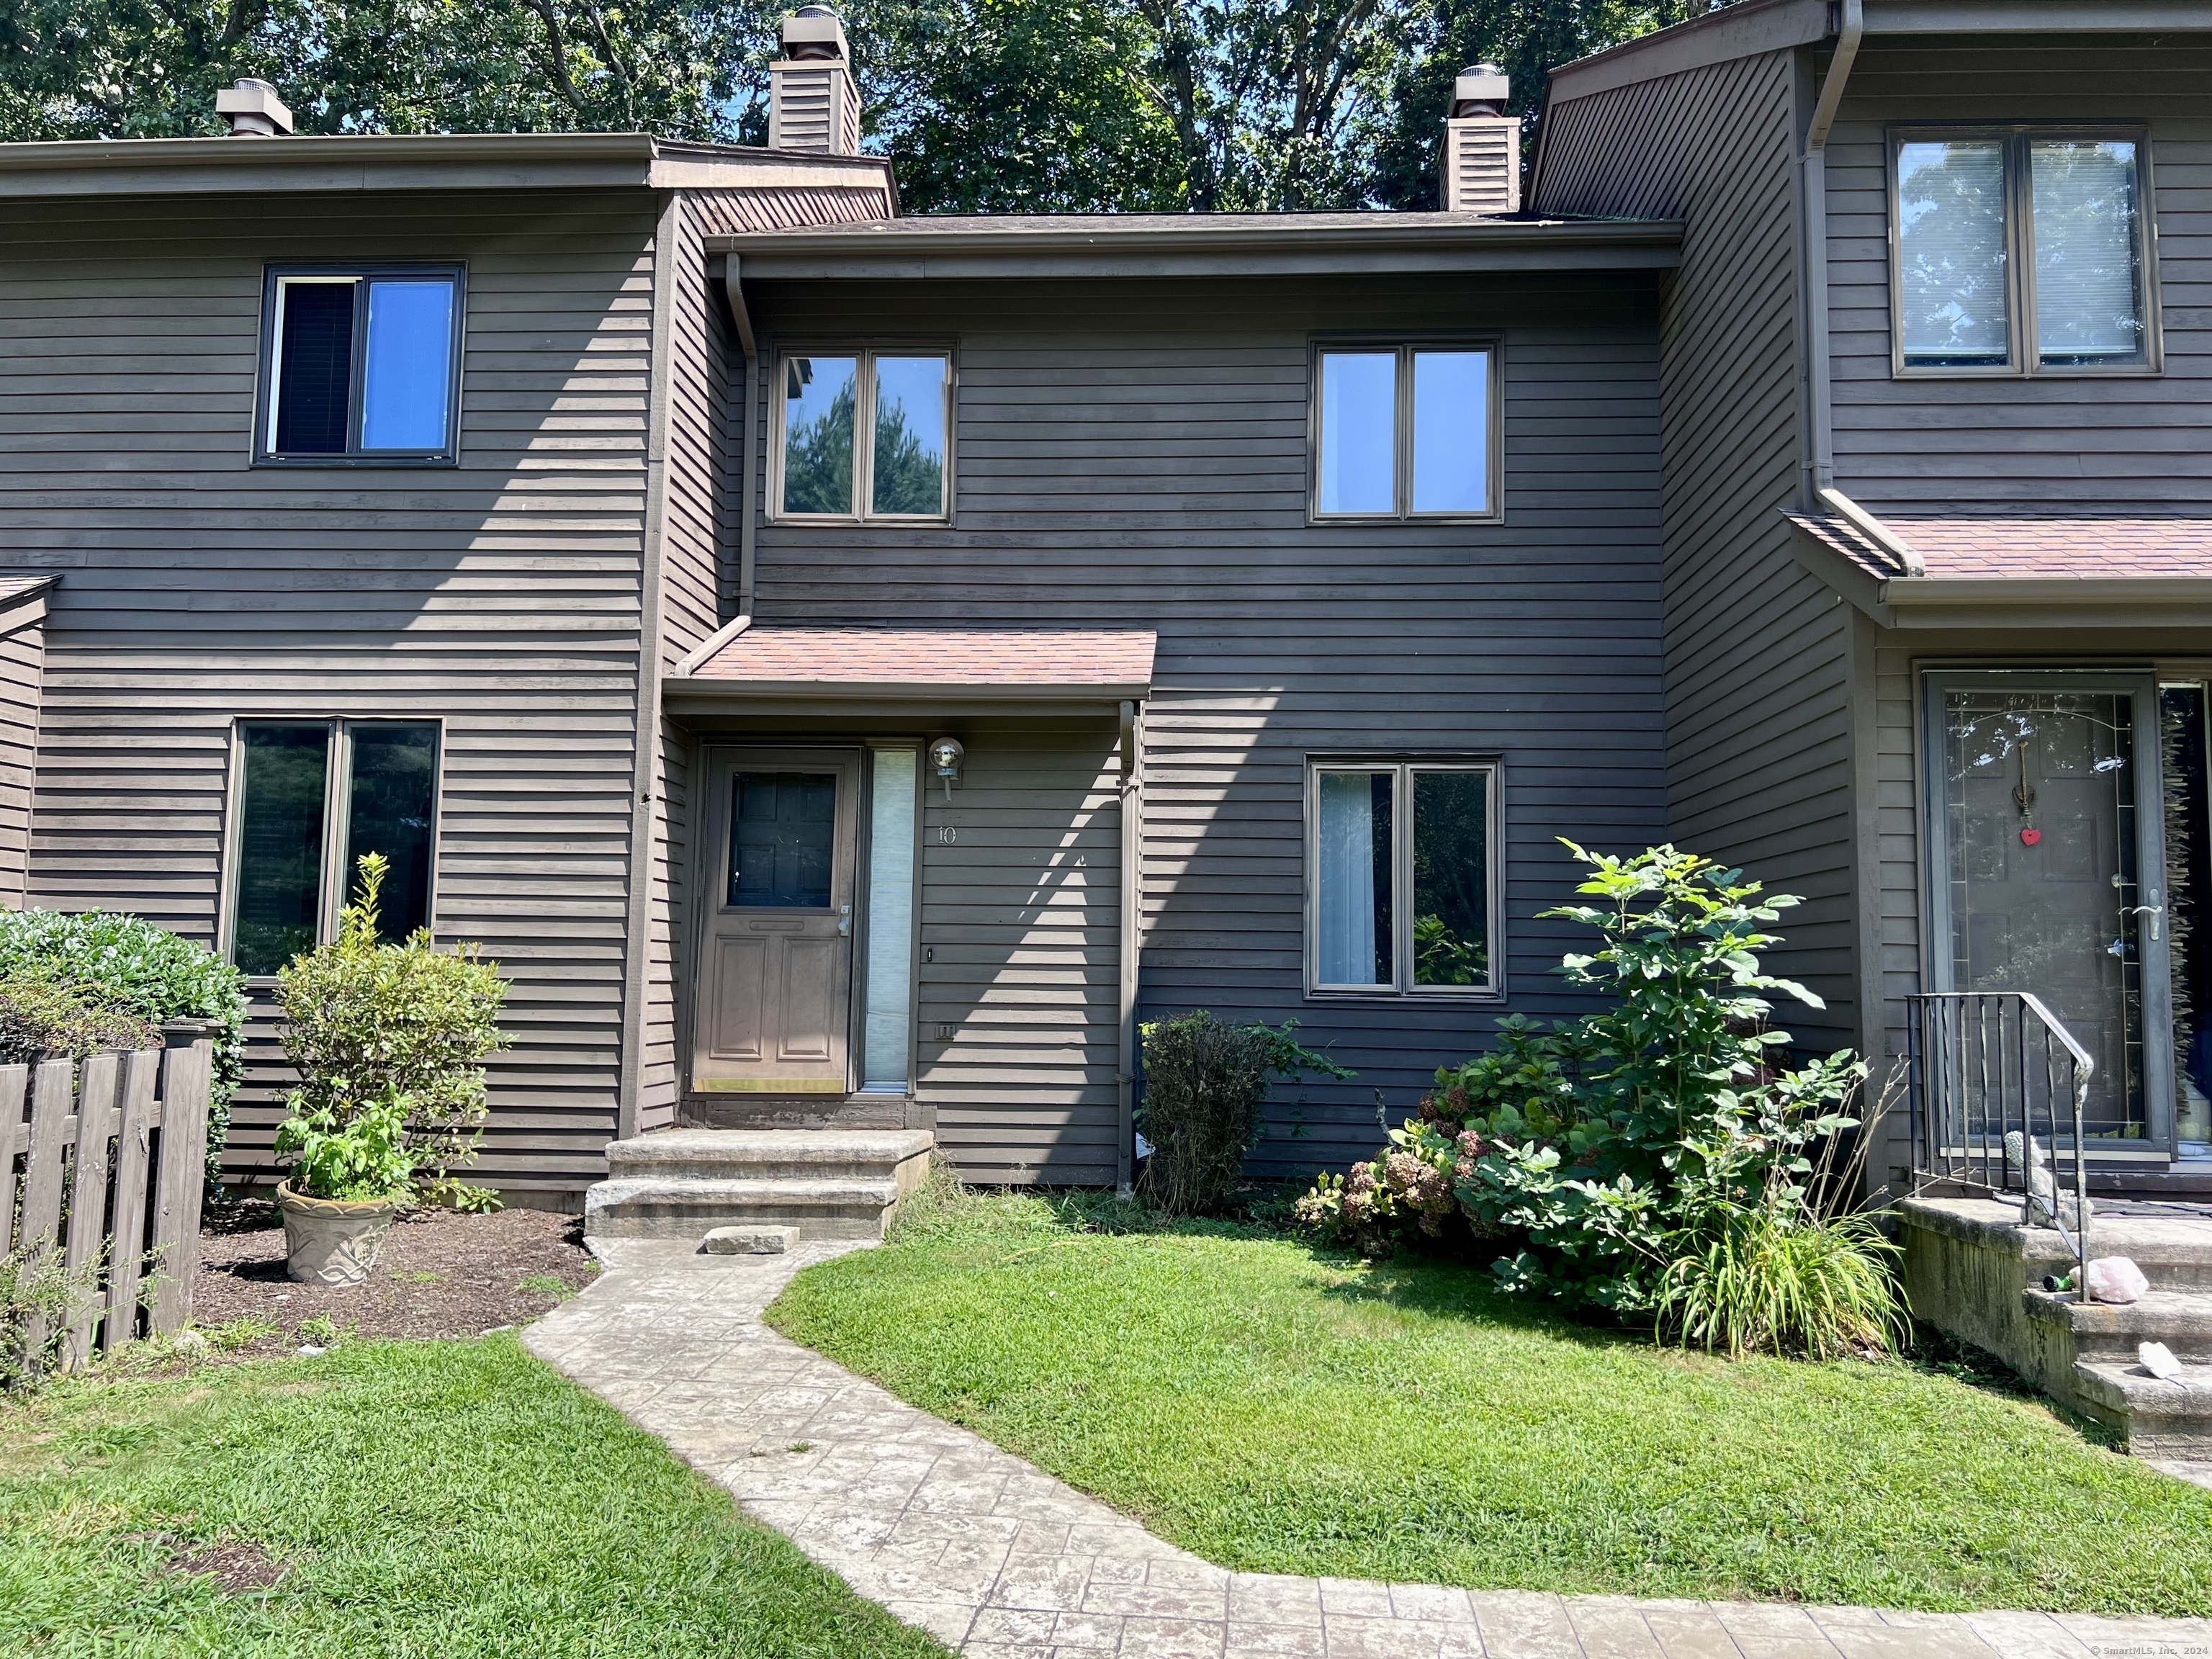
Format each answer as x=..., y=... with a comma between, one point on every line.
x=105, y=1160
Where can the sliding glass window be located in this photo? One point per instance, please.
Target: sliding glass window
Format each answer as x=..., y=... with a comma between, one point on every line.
x=1404, y=884
x=310, y=799
x=863, y=435
x=360, y=367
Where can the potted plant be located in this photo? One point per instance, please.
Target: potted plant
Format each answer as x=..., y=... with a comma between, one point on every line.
x=388, y=1040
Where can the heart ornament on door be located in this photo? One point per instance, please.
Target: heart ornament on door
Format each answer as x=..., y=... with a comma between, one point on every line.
x=2029, y=837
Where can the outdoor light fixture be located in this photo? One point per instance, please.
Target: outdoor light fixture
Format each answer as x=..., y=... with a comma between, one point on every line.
x=945, y=755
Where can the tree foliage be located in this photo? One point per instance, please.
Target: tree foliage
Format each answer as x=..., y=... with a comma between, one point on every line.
x=985, y=106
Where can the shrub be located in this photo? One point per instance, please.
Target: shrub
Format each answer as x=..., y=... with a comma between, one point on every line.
x=1204, y=1085
x=1624, y=1156
x=129, y=964
x=41, y=1019
x=39, y=1295
x=388, y=1041
x=1782, y=1277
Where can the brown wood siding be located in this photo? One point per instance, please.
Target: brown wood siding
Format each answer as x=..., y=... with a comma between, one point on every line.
x=22, y=659
x=1135, y=454
x=2044, y=444
x=1758, y=669
x=730, y=212
x=500, y=595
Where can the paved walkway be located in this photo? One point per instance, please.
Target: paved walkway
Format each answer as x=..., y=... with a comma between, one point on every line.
x=1002, y=1561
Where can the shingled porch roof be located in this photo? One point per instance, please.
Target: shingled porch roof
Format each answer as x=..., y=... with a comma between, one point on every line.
x=1016, y=662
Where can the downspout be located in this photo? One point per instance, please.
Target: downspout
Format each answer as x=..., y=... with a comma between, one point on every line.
x=1133, y=737
x=1813, y=174
x=734, y=288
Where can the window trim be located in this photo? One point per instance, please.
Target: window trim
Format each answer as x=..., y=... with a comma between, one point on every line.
x=337, y=774
x=1402, y=446
x=264, y=403
x=1403, y=767
x=864, y=427
x=2021, y=343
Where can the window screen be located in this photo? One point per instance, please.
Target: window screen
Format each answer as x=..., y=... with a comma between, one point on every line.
x=1953, y=297
x=2088, y=273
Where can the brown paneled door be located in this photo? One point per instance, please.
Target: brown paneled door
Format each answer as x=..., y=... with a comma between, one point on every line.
x=775, y=962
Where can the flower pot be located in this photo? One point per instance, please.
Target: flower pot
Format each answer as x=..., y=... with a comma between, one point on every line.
x=332, y=1241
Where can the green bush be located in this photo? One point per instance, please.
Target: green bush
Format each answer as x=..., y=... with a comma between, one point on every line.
x=1643, y=1159
x=1204, y=1085
x=128, y=963
x=388, y=1041
x=40, y=1020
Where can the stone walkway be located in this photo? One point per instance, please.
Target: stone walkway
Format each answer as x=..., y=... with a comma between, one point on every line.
x=1003, y=1561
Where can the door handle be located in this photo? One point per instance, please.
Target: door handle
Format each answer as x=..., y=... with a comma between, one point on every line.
x=2156, y=912
x=845, y=921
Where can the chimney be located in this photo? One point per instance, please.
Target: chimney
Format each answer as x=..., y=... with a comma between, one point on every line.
x=1482, y=145
x=812, y=101
x=253, y=110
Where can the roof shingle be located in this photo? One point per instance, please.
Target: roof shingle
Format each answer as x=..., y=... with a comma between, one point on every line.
x=1996, y=549
x=1036, y=659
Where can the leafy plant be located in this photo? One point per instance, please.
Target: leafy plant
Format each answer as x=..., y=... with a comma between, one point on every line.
x=233, y=1334
x=43, y=1019
x=448, y=1192
x=128, y=965
x=1645, y=1157
x=323, y=1332
x=39, y=1296
x=388, y=1041
x=1206, y=1084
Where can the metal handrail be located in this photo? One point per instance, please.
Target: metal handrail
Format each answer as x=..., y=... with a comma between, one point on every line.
x=1952, y=1074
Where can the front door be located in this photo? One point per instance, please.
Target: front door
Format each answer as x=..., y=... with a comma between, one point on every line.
x=2047, y=877
x=776, y=913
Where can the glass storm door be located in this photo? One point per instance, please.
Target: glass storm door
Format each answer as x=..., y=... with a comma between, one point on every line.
x=774, y=981
x=2045, y=814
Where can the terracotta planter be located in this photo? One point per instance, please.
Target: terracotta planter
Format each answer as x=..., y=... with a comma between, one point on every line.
x=332, y=1241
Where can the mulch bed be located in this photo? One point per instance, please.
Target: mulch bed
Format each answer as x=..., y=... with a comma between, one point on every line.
x=442, y=1275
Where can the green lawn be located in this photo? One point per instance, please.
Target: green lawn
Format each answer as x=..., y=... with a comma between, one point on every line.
x=426, y=1498
x=1277, y=1409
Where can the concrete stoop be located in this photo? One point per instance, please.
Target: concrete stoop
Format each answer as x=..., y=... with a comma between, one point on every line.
x=1973, y=1269
x=828, y=1183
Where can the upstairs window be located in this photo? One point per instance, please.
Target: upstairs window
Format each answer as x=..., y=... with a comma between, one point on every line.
x=362, y=366
x=863, y=435
x=2023, y=251
x=1405, y=432
x=1404, y=884
x=311, y=797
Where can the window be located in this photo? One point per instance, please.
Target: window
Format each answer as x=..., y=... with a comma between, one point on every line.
x=1404, y=885
x=1405, y=432
x=311, y=797
x=2022, y=250
x=863, y=435
x=361, y=366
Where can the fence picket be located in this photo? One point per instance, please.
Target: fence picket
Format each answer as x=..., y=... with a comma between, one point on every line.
x=88, y=1201
x=52, y=1090
x=14, y=1098
x=185, y=1076
x=134, y=1136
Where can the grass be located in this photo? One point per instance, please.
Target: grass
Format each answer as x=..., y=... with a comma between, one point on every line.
x=1275, y=1409
x=392, y=1498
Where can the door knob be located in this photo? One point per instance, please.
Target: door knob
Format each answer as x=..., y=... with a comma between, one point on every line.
x=2156, y=912
x=844, y=921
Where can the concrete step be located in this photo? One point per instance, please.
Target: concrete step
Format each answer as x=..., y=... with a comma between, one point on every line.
x=829, y=1183
x=2167, y=1420
x=660, y=1207
x=2111, y=1330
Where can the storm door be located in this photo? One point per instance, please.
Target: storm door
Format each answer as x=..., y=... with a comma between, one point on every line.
x=2047, y=873
x=775, y=981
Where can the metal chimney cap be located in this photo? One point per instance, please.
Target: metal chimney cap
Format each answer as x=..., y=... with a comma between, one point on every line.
x=253, y=110
x=813, y=32
x=1481, y=83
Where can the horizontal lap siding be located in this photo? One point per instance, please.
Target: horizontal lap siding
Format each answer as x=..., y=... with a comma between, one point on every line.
x=1134, y=455
x=1020, y=914
x=22, y=657
x=2042, y=445
x=1758, y=731
x=500, y=596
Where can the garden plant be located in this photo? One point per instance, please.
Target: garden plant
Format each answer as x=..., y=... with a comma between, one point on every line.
x=1206, y=1084
x=1657, y=1158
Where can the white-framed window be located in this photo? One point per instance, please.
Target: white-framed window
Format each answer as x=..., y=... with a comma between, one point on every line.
x=1404, y=878
x=862, y=435
x=309, y=799
x=1405, y=430
x=361, y=366
x=2022, y=250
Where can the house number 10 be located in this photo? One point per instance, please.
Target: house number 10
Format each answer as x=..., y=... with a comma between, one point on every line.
x=947, y=834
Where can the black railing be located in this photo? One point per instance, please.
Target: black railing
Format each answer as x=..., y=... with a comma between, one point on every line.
x=1998, y=1090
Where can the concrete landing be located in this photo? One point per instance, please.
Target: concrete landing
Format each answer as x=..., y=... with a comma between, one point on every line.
x=680, y=1184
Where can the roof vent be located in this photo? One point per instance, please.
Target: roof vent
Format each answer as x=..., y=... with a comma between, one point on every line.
x=1482, y=145
x=812, y=101
x=253, y=110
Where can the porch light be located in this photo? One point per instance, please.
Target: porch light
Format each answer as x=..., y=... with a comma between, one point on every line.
x=946, y=754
